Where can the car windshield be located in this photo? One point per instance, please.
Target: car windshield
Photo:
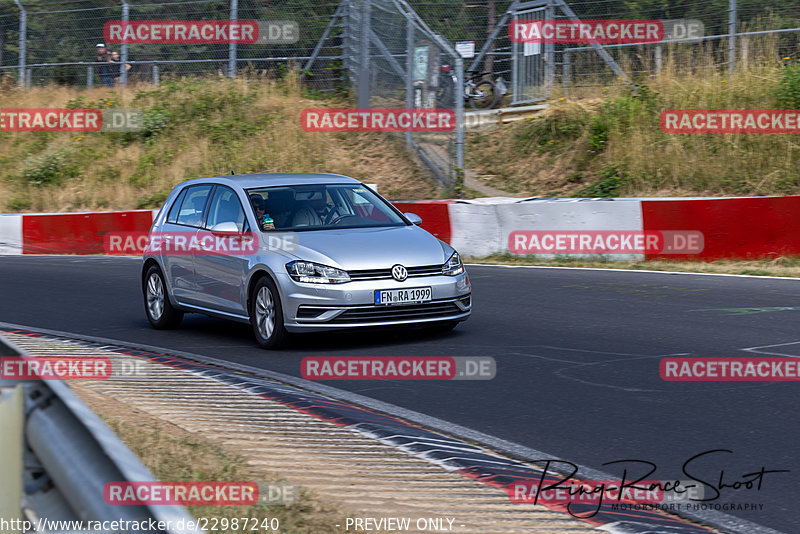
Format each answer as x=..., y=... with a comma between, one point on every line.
x=320, y=207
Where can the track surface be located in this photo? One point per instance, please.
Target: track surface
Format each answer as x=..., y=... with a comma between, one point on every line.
x=577, y=356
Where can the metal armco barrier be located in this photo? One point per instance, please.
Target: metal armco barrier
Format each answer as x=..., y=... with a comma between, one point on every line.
x=68, y=455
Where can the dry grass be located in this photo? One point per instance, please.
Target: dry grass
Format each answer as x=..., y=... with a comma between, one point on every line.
x=193, y=128
x=613, y=146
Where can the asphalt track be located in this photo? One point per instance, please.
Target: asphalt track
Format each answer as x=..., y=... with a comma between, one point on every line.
x=577, y=356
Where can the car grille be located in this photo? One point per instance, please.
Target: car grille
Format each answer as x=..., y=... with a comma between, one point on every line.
x=379, y=314
x=386, y=274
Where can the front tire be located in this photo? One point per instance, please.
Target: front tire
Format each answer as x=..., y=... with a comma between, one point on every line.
x=266, y=315
x=160, y=312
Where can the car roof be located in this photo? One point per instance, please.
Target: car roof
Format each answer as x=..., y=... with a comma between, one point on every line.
x=249, y=181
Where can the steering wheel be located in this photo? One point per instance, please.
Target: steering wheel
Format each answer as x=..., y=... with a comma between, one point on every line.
x=330, y=219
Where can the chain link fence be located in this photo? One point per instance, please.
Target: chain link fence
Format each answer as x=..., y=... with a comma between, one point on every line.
x=407, y=65
x=732, y=38
x=61, y=38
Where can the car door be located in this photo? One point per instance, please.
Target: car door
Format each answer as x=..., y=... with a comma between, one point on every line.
x=181, y=225
x=220, y=273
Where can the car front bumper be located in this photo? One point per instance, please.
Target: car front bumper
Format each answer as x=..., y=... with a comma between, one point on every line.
x=310, y=307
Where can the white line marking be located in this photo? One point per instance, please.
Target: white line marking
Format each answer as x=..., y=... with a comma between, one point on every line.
x=630, y=271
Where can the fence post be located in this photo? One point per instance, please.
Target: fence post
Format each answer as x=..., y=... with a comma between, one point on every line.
x=23, y=40
x=232, y=46
x=549, y=56
x=155, y=74
x=745, y=53
x=364, y=75
x=566, y=71
x=123, y=55
x=89, y=77
x=409, y=73
x=731, y=35
x=458, y=93
x=658, y=59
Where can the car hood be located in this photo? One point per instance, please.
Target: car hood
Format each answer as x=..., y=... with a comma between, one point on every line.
x=371, y=248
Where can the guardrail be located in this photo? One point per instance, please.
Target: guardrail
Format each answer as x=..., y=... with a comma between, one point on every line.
x=58, y=455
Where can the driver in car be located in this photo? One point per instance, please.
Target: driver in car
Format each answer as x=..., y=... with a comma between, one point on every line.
x=314, y=213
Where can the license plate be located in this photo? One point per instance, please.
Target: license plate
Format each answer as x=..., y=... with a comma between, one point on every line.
x=402, y=296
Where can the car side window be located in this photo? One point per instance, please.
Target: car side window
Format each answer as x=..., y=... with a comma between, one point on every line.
x=172, y=217
x=193, y=206
x=225, y=207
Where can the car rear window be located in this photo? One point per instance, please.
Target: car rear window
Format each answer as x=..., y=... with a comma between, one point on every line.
x=193, y=205
x=172, y=216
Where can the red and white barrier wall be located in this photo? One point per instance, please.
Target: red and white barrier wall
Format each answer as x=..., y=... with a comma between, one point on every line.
x=736, y=228
x=67, y=233
x=741, y=228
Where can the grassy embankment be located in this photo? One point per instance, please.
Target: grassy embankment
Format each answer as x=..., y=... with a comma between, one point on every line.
x=609, y=142
x=193, y=128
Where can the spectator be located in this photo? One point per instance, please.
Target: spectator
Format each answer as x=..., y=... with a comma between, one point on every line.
x=105, y=71
x=115, y=67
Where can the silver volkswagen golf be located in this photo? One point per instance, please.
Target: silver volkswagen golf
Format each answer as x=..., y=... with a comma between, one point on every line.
x=297, y=253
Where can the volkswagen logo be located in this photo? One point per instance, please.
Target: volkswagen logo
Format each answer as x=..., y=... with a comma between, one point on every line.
x=399, y=273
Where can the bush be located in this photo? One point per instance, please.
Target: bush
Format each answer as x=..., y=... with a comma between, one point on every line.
x=788, y=90
x=44, y=168
x=609, y=185
x=552, y=130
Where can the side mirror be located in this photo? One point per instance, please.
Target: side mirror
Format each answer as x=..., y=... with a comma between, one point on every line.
x=225, y=228
x=414, y=218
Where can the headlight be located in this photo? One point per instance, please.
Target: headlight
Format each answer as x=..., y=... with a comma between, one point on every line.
x=453, y=266
x=314, y=273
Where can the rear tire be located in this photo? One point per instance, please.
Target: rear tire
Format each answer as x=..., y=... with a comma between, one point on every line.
x=160, y=312
x=483, y=95
x=266, y=314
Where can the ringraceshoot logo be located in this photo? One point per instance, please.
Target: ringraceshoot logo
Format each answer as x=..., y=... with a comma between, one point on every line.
x=378, y=120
